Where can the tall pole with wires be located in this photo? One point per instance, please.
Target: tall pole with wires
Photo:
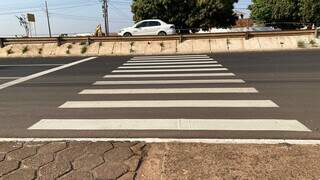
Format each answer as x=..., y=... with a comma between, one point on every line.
x=106, y=16
x=47, y=12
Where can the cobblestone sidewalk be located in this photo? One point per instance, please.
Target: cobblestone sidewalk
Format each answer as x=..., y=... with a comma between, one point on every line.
x=69, y=160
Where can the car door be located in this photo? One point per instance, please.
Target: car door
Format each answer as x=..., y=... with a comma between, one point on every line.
x=154, y=27
x=142, y=28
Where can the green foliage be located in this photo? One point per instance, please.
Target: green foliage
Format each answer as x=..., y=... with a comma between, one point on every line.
x=286, y=14
x=301, y=44
x=280, y=13
x=9, y=51
x=84, y=49
x=40, y=50
x=25, y=49
x=310, y=11
x=187, y=13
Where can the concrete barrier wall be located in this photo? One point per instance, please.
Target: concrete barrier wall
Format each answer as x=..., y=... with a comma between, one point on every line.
x=195, y=46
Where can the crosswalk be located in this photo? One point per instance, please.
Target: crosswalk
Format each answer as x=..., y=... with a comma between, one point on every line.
x=188, y=76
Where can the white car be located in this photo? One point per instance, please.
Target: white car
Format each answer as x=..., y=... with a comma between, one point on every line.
x=149, y=27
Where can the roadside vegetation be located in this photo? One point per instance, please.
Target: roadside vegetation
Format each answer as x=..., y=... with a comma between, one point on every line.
x=84, y=49
x=25, y=49
x=301, y=44
x=286, y=14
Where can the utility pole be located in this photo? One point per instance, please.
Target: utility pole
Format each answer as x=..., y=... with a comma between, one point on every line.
x=47, y=12
x=106, y=16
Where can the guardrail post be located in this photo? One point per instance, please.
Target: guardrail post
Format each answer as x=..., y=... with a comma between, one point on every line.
x=247, y=36
x=88, y=41
x=59, y=41
x=1, y=43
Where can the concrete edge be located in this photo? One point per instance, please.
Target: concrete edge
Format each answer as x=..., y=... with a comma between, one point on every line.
x=158, y=140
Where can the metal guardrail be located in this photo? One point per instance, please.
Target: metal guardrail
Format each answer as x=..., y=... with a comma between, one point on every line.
x=88, y=40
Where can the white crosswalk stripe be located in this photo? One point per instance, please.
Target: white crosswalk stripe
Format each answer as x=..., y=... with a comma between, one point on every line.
x=171, y=66
x=169, y=90
x=170, y=103
x=169, y=70
x=204, y=81
x=175, y=67
x=171, y=124
x=170, y=63
x=168, y=75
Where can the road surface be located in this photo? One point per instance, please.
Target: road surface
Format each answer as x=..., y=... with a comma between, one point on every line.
x=271, y=95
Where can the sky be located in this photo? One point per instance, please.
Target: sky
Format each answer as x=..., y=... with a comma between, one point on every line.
x=69, y=16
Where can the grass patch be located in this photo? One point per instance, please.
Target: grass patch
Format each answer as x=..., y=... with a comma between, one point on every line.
x=40, y=51
x=25, y=49
x=301, y=44
x=84, y=49
x=9, y=51
x=313, y=43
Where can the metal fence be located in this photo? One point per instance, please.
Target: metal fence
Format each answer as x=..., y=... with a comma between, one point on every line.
x=89, y=40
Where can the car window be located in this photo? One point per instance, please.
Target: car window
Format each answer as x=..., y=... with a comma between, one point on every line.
x=143, y=24
x=154, y=23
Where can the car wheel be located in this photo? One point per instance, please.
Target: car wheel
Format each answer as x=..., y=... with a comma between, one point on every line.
x=162, y=33
x=127, y=34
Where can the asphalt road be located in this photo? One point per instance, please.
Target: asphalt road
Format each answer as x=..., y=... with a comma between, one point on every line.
x=289, y=80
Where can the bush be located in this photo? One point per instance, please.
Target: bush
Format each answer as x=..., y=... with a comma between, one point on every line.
x=69, y=46
x=68, y=51
x=82, y=43
x=301, y=44
x=313, y=43
x=25, y=49
x=9, y=51
x=40, y=51
x=84, y=49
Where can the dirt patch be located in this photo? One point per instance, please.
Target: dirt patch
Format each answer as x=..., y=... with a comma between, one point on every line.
x=207, y=161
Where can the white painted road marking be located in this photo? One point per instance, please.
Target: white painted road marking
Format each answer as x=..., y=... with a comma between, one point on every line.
x=171, y=57
x=168, y=60
x=33, y=76
x=171, y=66
x=170, y=70
x=170, y=63
x=8, y=78
x=169, y=90
x=169, y=75
x=171, y=104
x=171, y=124
x=29, y=65
x=202, y=81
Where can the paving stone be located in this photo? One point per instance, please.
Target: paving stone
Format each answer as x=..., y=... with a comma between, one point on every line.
x=37, y=161
x=137, y=149
x=99, y=147
x=8, y=166
x=9, y=146
x=54, y=170
x=88, y=162
x=133, y=163
x=110, y=171
x=36, y=144
x=21, y=174
x=52, y=147
x=128, y=176
x=77, y=175
x=2, y=156
x=79, y=143
x=71, y=153
x=22, y=153
x=124, y=144
x=118, y=154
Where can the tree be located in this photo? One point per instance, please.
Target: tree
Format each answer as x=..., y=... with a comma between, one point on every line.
x=187, y=13
x=281, y=13
x=310, y=11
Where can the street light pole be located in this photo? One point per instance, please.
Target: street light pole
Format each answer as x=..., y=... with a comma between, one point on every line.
x=48, y=20
x=106, y=16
